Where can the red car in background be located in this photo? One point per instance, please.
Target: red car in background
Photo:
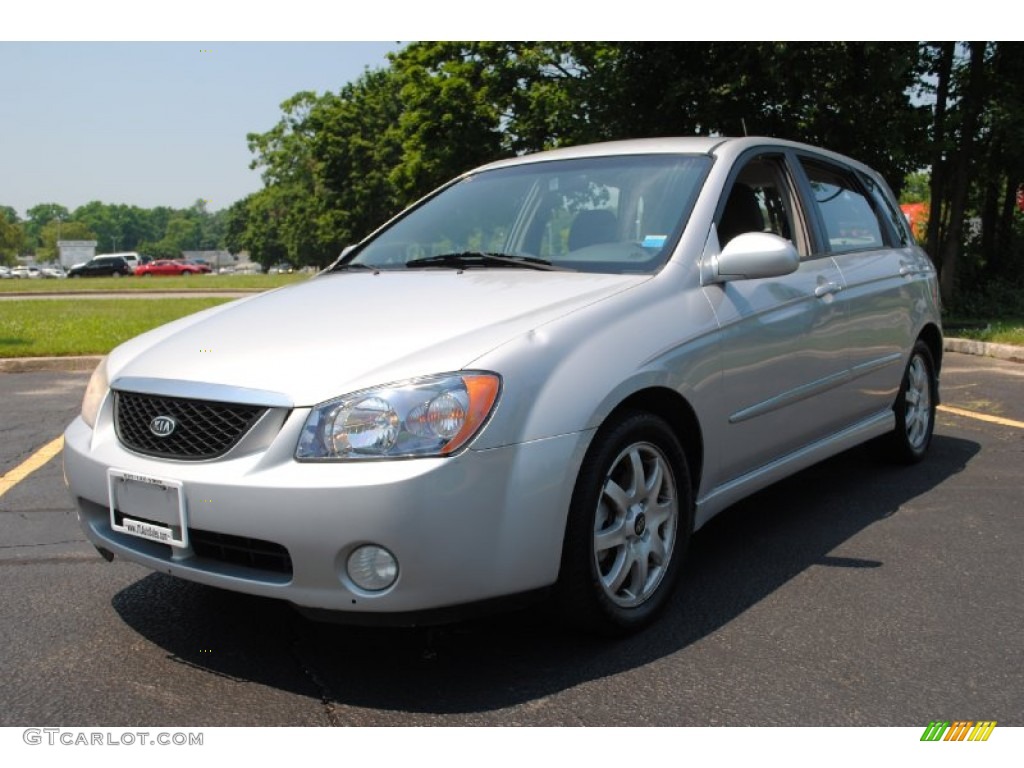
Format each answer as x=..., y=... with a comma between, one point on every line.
x=169, y=267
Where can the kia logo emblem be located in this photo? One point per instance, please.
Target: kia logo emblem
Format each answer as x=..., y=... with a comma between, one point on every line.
x=162, y=426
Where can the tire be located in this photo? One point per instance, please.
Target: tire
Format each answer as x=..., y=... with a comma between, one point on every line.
x=625, y=540
x=915, y=408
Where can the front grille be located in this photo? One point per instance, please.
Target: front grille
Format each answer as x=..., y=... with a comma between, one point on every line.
x=204, y=429
x=241, y=550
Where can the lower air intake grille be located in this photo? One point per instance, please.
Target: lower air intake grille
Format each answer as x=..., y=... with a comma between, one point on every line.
x=241, y=550
x=202, y=429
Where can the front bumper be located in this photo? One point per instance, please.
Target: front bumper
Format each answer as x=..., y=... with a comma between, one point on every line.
x=474, y=527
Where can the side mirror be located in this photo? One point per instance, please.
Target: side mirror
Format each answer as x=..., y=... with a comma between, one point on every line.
x=753, y=255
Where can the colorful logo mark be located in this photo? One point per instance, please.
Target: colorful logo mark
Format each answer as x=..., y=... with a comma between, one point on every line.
x=959, y=730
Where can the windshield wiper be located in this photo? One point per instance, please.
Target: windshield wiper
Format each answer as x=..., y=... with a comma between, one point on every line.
x=470, y=259
x=347, y=267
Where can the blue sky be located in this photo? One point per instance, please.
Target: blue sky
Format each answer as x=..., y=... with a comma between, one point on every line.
x=151, y=124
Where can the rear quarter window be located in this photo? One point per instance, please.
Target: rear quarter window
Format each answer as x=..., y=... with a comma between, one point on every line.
x=894, y=218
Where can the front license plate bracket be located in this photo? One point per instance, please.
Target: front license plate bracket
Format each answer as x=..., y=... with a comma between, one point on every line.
x=148, y=507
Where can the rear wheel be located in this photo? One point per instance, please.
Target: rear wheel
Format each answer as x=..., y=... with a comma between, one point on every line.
x=915, y=407
x=629, y=526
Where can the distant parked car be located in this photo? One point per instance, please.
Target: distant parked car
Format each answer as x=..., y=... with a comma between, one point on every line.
x=102, y=266
x=134, y=260
x=21, y=271
x=169, y=267
x=202, y=265
x=56, y=272
x=5, y=273
x=280, y=269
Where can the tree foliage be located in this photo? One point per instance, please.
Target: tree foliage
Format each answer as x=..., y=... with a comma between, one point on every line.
x=338, y=165
x=57, y=230
x=9, y=215
x=975, y=227
x=10, y=240
x=942, y=118
x=159, y=232
x=327, y=168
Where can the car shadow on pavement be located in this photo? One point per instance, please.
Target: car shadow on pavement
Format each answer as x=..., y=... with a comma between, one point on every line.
x=737, y=560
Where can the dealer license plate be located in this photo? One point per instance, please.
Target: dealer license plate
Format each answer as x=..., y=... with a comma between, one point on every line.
x=148, y=507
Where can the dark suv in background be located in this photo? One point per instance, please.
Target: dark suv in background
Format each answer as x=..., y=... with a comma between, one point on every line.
x=101, y=266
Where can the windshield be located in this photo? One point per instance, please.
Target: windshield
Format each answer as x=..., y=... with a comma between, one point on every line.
x=600, y=214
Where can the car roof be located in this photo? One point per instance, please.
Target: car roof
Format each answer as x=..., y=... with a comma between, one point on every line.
x=725, y=147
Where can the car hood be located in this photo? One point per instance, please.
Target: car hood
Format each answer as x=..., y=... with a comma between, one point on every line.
x=339, y=333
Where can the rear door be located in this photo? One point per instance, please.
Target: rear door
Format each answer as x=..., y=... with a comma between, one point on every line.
x=872, y=251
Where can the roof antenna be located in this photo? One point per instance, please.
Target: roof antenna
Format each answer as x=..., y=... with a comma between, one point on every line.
x=744, y=124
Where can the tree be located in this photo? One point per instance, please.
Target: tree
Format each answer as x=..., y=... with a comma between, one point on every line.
x=183, y=233
x=916, y=188
x=977, y=167
x=99, y=217
x=452, y=103
x=11, y=237
x=944, y=118
x=326, y=166
x=60, y=230
x=1000, y=167
x=948, y=249
x=39, y=216
x=254, y=226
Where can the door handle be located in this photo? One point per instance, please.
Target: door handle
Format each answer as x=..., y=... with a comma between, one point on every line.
x=826, y=289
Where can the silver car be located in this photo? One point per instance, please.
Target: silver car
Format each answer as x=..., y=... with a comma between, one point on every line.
x=539, y=380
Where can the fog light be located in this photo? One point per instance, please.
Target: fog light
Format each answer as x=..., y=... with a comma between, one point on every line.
x=372, y=568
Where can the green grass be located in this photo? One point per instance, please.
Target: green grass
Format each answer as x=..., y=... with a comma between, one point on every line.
x=1009, y=331
x=62, y=327
x=179, y=283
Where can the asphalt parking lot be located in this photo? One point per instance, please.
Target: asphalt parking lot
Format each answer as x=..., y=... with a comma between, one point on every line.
x=855, y=593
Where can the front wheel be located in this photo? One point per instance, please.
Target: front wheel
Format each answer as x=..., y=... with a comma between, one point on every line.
x=915, y=407
x=629, y=525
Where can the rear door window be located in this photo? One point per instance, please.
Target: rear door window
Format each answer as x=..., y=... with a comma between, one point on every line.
x=845, y=210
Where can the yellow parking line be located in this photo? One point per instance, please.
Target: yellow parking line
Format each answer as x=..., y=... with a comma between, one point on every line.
x=31, y=464
x=982, y=416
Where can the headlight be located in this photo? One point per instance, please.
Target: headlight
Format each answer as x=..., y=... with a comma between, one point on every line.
x=94, y=393
x=434, y=416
